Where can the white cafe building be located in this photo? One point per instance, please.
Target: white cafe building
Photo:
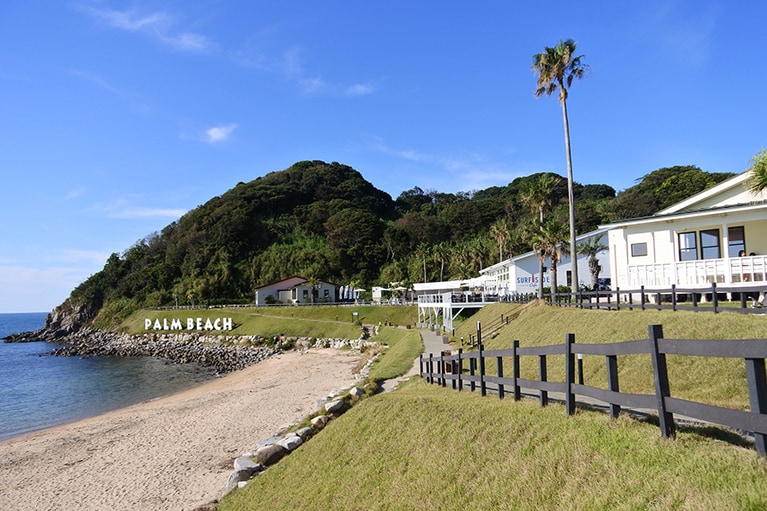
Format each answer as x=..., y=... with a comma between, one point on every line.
x=695, y=243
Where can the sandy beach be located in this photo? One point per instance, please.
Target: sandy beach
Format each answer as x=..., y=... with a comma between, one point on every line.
x=172, y=453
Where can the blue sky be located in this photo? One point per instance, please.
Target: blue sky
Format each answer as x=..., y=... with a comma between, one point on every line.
x=119, y=116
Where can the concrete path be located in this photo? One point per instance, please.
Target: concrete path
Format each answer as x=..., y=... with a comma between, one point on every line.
x=433, y=342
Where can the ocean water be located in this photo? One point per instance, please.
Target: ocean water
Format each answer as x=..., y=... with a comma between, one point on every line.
x=38, y=391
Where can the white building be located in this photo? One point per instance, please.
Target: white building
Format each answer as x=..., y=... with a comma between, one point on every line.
x=439, y=303
x=695, y=243
x=521, y=274
x=296, y=290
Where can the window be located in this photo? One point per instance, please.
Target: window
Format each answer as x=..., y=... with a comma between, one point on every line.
x=638, y=249
x=688, y=250
x=709, y=244
x=736, y=241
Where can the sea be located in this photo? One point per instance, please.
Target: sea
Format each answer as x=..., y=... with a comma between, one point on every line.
x=38, y=390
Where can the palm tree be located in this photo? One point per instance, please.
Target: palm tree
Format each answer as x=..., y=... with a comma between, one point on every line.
x=422, y=251
x=547, y=243
x=500, y=231
x=758, y=169
x=556, y=67
x=538, y=197
x=591, y=248
x=440, y=252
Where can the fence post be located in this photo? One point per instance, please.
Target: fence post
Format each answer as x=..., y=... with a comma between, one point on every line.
x=617, y=299
x=499, y=365
x=460, y=369
x=641, y=290
x=543, y=376
x=453, y=367
x=757, y=394
x=714, y=297
x=480, y=349
x=612, y=383
x=442, y=380
x=662, y=391
x=569, y=374
x=673, y=297
x=430, y=377
x=472, y=365
x=515, y=365
x=482, y=383
x=420, y=364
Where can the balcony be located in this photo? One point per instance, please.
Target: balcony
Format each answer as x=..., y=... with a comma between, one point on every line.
x=701, y=273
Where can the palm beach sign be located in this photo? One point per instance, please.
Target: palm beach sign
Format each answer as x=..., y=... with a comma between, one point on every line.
x=197, y=324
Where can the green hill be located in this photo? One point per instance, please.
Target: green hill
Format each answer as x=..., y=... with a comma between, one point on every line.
x=325, y=221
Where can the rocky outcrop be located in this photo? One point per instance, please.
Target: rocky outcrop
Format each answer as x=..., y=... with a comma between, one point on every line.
x=66, y=319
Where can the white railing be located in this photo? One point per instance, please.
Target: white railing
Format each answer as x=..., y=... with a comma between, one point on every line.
x=700, y=273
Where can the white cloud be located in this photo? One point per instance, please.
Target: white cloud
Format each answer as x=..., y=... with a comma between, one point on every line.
x=359, y=89
x=158, y=25
x=125, y=208
x=91, y=257
x=218, y=134
x=463, y=172
x=128, y=213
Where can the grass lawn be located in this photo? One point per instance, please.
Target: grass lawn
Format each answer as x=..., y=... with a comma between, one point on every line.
x=317, y=321
x=428, y=448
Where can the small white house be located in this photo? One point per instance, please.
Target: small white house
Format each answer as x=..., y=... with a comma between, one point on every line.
x=717, y=236
x=296, y=290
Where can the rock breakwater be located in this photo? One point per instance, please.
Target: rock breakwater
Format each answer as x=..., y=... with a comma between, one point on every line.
x=223, y=353
x=207, y=351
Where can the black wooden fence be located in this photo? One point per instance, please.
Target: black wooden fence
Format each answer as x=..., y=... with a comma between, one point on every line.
x=446, y=367
x=714, y=298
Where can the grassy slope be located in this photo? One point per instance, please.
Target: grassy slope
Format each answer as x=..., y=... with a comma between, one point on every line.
x=720, y=382
x=319, y=321
x=424, y=447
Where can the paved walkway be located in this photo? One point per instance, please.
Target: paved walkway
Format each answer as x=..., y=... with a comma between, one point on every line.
x=433, y=342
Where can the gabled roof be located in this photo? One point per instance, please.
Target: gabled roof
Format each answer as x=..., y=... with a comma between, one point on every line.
x=292, y=282
x=730, y=192
x=729, y=196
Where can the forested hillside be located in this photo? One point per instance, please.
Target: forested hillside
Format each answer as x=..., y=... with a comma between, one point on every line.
x=325, y=221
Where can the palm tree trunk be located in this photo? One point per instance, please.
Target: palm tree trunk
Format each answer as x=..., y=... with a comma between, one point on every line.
x=571, y=197
x=553, y=278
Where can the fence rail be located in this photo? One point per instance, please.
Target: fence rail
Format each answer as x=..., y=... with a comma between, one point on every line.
x=446, y=367
x=715, y=298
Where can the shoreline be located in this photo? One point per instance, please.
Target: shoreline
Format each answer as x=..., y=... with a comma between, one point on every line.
x=173, y=452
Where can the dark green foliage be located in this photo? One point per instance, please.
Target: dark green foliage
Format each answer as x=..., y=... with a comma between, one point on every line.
x=663, y=188
x=325, y=221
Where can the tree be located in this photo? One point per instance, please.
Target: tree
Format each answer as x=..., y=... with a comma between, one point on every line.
x=500, y=231
x=591, y=248
x=546, y=243
x=538, y=197
x=441, y=252
x=758, y=181
x=556, y=68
